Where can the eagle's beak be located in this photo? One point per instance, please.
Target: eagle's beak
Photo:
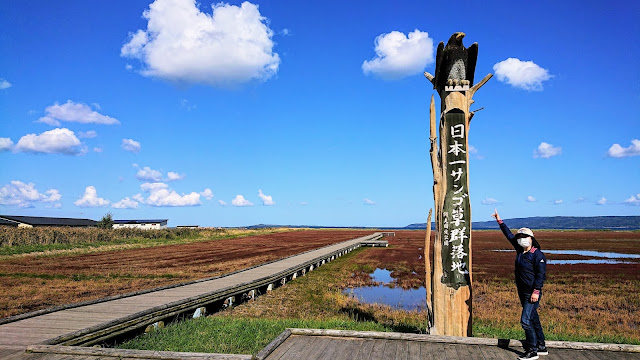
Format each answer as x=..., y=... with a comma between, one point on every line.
x=459, y=36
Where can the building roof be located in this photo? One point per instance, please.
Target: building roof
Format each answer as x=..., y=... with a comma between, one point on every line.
x=8, y=222
x=48, y=221
x=140, y=221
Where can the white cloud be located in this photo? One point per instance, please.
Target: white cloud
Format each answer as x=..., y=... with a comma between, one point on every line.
x=232, y=45
x=207, y=193
x=222, y=202
x=87, y=134
x=266, y=199
x=97, y=149
x=131, y=145
x=546, y=151
x=74, y=112
x=558, y=202
x=4, y=84
x=367, y=201
x=173, y=176
x=633, y=200
x=161, y=195
x=239, y=200
x=489, y=201
x=581, y=199
x=531, y=199
x=521, y=74
x=91, y=199
x=148, y=174
x=5, y=144
x=602, y=201
x=187, y=105
x=399, y=56
x=618, y=151
x=125, y=203
x=56, y=141
x=23, y=195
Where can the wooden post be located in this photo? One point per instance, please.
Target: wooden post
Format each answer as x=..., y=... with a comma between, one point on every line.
x=427, y=268
x=451, y=294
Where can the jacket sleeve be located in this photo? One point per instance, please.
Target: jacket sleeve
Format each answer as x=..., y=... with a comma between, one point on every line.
x=539, y=271
x=509, y=235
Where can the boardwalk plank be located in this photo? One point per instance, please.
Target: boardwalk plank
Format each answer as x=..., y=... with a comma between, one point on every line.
x=297, y=347
x=402, y=350
x=450, y=351
x=330, y=350
x=361, y=344
x=377, y=349
x=320, y=348
x=390, y=349
x=413, y=350
x=366, y=349
x=282, y=349
x=346, y=347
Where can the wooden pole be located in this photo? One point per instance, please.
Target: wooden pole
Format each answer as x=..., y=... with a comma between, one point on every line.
x=427, y=268
x=451, y=278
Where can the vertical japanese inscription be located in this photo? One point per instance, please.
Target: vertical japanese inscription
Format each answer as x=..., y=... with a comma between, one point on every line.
x=456, y=210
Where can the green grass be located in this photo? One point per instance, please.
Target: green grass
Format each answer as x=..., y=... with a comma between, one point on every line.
x=232, y=335
x=489, y=330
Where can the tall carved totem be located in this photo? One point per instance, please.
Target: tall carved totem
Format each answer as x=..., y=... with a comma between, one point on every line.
x=449, y=292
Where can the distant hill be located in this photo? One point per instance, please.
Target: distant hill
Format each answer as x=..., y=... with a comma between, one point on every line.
x=559, y=223
x=540, y=222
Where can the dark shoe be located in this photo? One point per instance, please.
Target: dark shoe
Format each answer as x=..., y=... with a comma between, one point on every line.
x=542, y=350
x=529, y=355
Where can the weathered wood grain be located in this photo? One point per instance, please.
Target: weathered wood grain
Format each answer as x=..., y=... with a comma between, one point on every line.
x=337, y=348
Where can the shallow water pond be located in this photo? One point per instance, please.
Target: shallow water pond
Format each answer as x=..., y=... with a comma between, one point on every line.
x=387, y=294
x=605, y=257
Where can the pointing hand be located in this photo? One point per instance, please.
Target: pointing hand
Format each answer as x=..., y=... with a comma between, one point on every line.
x=495, y=215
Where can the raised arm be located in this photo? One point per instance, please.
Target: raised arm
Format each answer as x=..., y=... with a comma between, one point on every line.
x=506, y=231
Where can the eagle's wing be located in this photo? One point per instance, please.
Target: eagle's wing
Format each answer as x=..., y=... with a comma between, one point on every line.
x=439, y=58
x=472, y=57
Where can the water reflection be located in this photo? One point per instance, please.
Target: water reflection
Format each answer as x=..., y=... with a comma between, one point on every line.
x=606, y=257
x=412, y=299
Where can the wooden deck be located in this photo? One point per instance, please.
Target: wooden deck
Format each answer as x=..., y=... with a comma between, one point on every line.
x=99, y=321
x=313, y=344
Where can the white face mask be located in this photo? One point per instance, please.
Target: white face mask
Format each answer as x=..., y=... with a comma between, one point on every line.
x=524, y=242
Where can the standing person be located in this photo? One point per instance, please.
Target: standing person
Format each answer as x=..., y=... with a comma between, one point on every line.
x=530, y=273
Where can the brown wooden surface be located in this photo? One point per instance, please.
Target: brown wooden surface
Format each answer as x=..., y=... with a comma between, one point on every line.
x=336, y=348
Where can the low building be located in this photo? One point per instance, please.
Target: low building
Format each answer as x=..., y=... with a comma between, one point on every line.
x=187, y=227
x=32, y=221
x=141, y=224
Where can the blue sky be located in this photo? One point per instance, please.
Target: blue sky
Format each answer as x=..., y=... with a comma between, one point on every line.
x=295, y=112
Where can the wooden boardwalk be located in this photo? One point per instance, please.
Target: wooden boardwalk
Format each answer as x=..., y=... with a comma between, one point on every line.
x=312, y=344
x=97, y=322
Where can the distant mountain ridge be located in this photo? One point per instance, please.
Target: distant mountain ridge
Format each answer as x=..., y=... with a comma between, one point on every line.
x=559, y=223
x=538, y=222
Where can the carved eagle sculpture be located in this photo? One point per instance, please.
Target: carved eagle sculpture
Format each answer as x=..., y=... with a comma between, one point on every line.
x=455, y=64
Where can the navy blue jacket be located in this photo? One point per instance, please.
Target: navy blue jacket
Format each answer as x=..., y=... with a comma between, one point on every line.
x=531, y=267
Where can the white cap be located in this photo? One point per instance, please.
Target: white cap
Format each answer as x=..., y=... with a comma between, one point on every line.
x=526, y=231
